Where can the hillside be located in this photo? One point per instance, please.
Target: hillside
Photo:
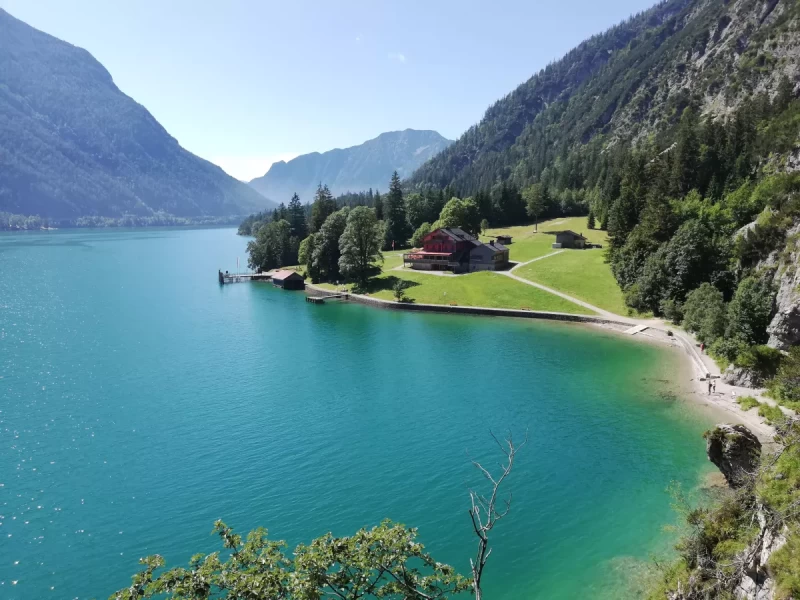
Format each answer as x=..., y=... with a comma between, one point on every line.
x=354, y=169
x=625, y=84
x=73, y=145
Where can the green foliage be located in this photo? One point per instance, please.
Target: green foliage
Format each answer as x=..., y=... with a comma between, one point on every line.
x=762, y=360
x=771, y=414
x=273, y=247
x=672, y=310
x=325, y=258
x=537, y=201
x=394, y=215
x=784, y=564
x=590, y=220
x=704, y=313
x=305, y=253
x=460, y=213
x=786, y=384
x=750, y=310
x=399, y=289
x=324, y=205
x=747, y=402
x=420, y=233
x=382, y=562
x=360, y=244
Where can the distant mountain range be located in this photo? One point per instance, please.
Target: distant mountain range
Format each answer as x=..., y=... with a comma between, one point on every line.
x=73, y=145
x=354, y=169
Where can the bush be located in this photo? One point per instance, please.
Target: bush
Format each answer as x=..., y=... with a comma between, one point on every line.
x=750, y=310
x=747, y=402
x=704, y=313
x=786, y=384
x=772, y=414
x=725, y=351
x=672, y=310
x=784, y=565
x=762, y=360
x=419, y=234
x=633, y=298
x=399, y=289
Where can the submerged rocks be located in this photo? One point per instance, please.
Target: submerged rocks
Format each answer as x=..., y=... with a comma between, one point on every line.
x=735, y=450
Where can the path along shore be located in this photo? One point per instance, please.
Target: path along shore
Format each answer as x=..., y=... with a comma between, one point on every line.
x=653, y=330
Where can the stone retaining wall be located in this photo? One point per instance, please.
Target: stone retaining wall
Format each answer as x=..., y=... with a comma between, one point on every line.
x=469, y=310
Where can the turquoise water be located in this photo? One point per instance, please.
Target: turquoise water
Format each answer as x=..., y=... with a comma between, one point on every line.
x=140, y=401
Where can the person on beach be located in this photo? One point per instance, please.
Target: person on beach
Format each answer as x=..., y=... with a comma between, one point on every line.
x=702, y=347
x=709, y=387
x=714, y=387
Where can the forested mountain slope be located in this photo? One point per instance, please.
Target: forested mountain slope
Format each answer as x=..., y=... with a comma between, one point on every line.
x=354, y=169
x=632, y=81
x=73, y=145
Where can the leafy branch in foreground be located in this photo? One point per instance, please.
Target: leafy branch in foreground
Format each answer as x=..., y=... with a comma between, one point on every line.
x=385, y=561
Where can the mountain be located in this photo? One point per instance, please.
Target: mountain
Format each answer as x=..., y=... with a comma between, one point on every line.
x=368, y=165
x=73, y=145
x=626, y=84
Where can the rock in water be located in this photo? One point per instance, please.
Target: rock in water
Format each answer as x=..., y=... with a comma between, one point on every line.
x=735, y=450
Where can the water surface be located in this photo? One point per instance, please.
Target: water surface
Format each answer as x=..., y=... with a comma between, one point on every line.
x=140, y=401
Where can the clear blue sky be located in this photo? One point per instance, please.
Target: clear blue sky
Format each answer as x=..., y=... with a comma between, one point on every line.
x=246, y=82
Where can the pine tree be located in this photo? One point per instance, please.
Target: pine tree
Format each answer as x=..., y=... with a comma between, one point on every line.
x=297, y=218
x=686, y=155
x=590, y=220
x=324, y=206
x=378, y=206
x=394, y=215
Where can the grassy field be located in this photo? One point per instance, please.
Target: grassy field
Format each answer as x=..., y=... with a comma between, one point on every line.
x=476, y=289
x=580, y=273
x=528, y=244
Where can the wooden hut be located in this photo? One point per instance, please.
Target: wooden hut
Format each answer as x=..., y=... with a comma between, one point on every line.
x=289, y=280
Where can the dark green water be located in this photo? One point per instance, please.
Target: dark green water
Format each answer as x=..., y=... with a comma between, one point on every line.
x=140, y=401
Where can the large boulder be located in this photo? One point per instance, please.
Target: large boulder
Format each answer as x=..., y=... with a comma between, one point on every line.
x=742, y=377
x=735, y=450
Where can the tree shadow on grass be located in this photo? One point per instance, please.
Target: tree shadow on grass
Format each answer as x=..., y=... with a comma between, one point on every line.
x=380, y=284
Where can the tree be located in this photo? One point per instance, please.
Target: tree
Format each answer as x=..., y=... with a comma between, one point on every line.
x=484, y=512
x=686, y=154
x=305, y=255
x=750, y=310
x=704, y=313
x=272, y=247
x=786, y=384
x=297, y=218
x=394, y=214
x=484, y=225
x=590, y=220
x=360, y=244
x=399, y=289
x=420, y=233
x=378, y=206
x=536, y=201
x=324, y=206
x=416, y=210
x=325, y=258
x=460, y=213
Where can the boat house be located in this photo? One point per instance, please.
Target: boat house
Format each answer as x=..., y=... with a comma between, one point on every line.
x=453, y=249
x=289, y=280
x=569, y=239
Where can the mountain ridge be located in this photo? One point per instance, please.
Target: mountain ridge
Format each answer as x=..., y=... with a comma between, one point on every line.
x=354, y=168
x=73, y=145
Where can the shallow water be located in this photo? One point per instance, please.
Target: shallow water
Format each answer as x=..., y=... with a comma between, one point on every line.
x=140, y=401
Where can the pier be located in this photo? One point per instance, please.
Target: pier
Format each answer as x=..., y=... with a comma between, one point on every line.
x=242, y=277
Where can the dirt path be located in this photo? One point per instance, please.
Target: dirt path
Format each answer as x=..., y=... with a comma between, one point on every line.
x=527, y=262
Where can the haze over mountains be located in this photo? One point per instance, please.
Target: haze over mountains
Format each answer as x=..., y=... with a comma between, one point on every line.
x=354, y=169
x=72, y=144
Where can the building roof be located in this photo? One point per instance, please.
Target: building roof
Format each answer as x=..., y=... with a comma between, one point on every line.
x=497, y=245
x=285, y=274
x=456, y=234
x=572, y=233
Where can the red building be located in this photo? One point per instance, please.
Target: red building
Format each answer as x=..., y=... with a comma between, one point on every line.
x=453, y=249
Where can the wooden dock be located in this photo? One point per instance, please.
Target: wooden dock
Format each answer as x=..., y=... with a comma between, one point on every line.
x=322, y=299
x=243, y=277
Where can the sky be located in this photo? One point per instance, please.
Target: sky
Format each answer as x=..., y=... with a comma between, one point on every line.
x=245, y=83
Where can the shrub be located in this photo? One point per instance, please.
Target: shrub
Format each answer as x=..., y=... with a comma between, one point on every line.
x=786, y=384
x=772, y=414
x=762, y=360
x=704, y=313
x=725, y=351
x=399, y=289
x=672, y=310
x=747, y=402
x=419, y=234
x=750, y=310
x=784, y=565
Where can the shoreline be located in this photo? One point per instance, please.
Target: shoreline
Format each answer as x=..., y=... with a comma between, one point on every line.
x=690, y=378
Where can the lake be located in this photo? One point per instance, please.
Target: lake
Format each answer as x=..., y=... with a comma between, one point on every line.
x=140, y=401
